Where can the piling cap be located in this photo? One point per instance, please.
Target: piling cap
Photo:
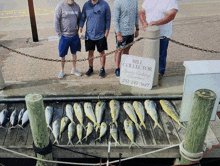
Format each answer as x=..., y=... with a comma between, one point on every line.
x=152, y=32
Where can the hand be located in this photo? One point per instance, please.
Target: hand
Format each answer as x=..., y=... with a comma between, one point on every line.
x=136, y=34
x=119, y=38
x=153, y=23
x=144, y=25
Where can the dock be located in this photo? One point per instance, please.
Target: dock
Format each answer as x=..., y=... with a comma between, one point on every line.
x=149, y=139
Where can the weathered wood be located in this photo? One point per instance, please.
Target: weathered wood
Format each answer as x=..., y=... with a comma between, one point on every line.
x=203, y=105
x=35, y=106
x=215, y=126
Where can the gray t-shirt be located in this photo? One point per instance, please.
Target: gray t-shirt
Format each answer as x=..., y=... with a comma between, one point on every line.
x=66, y=19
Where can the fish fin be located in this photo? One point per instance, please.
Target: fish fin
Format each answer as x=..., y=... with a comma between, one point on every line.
x=142, y=124
x=116, y=124
x=59, y=136
x=85, y=138
x=84, y=126
x=50, y=128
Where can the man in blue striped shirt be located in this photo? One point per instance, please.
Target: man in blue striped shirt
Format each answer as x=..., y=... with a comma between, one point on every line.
x=125, y=19
x=97, y=15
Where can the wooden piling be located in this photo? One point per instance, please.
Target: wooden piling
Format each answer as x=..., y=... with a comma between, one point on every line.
x=203, y=104
x=35, y=107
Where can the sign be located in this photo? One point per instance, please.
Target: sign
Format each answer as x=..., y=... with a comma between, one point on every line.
x=137, y=71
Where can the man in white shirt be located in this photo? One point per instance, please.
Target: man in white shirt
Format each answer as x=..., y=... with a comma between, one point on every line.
x=161, y=13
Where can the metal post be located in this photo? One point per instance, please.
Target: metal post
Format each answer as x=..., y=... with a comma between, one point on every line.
x=2, y=82
x=151, y=48
x=203, y=104
x=33, y=21
x=35, y=107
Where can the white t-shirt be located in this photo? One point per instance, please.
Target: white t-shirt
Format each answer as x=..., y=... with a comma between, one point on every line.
x=156, y=10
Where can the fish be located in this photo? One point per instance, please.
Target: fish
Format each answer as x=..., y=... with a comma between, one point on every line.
x=21, y=113
x=89, y=112
x=114, y=133
x=89, y=130
x=64, y=122
x=24, y=119
x=48, y=116
x=56, y=131
x=99, y=110
x=114, y=110
x=13, y=119
x=128, y=126
x=103, y=130
x=71, y=132
x=139, y=109
x=79, y=113
x=69, y=112
x=129, y=109
x=150, y=107
x=3, y=117
x=170, y=110
x=79, y=133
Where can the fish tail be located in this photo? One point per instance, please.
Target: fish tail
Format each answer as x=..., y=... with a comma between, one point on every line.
x=142, y=124
x=79, y=142
x=116, y=124
x=56, y=141
x=117, y=143
x=21, y=126
x=157, y=124
x=97, y=127
x=70, y=143
x=85, y=138
x=2, y=127
x=50, y=128
x=98, y=139
x=181, y=126
x=84, y=126
x=12, y=127
x=138, y=126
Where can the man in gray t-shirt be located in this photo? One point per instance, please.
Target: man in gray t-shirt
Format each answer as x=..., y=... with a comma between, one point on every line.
x=66, y=20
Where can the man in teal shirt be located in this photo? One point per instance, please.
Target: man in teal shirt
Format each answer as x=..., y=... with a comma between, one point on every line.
x=125, y=19
x=97, y=15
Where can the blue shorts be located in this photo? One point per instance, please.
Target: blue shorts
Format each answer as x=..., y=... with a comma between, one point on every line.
x=66, y=42
x=126, y=40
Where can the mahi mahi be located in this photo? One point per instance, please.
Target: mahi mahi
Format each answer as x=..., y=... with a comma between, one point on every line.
x=64, y=122
x=114, y=108
x=79, y=113
x=150, y=107
x=69, y=112
x=48, y=116
x=21, y=113
x=170, y=110
x=13, y=119
x=71, y=132
x=56, y=131
x=99, y=110
x=88, y=130
x=114, y=133
x=79, y=129
x=3, y=117
x=139, y=109
x=89, y=112
x=103, y=130
x=129, y=109
x=129, y=130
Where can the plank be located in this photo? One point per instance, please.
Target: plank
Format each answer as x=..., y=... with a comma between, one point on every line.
x=182, y=131
x=3, y=132
x=168, y=127
x=12, y=133
x=215, y=126
x=22, y=134
x=210, y=137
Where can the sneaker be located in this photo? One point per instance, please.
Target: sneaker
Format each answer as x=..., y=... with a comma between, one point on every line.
x=102, y=73
x=117, y=73
x=89, y=72
x=61, y=74
x=76, y=72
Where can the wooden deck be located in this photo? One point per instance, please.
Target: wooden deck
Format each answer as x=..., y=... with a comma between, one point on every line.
x=150, y=139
